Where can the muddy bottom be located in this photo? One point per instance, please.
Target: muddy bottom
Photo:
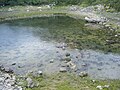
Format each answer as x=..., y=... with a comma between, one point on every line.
x=31, y=47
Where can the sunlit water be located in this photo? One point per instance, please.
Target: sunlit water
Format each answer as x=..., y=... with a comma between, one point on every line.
x=31, y=45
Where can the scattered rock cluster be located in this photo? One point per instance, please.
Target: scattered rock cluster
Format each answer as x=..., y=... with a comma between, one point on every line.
x=8, y=82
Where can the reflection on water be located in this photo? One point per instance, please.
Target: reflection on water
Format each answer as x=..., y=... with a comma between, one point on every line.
x=31, y=44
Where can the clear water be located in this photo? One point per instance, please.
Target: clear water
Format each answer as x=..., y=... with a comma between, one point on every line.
x=31, y=44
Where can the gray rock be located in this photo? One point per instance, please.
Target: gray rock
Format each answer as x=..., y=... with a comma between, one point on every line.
x=94, y=19
x=63, y=48
x=67, y=59
x=52, y=60
x=30, y=82
x=8, y=70
x=83, y=74
x=18, y=88
x=14, y=64
x=63, y=69
x=84, y=64
x=107, y=25
x=67, y=54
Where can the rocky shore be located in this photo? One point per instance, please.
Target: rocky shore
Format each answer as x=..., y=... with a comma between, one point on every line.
x=8, y=81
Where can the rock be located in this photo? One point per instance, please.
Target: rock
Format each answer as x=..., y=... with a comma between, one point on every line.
x=67, y=59
x=73, y=8
x=119, y=65
x=63, y=69
x=63, y=48
x=93, y=81
x=106, y=86
x=99, y=87
x=10, y=82
x=57, y=51
x=67, y=54
x=107, y=25
x=14, y=64
x=30, y=83
x=40, y=72
x=71, y=65
x=83, y=74
x=9, y=70
x=84, y=64
x=116, y=35
x=2, y=68
x=95, y=19
x=18, y=88
x=99, y=69
x=7, y=76
x=10, y=9
x=52, y=60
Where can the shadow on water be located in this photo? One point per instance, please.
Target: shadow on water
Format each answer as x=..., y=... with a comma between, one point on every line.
x=31, y=44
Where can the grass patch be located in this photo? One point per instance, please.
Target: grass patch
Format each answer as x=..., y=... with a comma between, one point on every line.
x=68, y=81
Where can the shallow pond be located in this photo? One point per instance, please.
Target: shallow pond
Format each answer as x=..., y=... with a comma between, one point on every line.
x=31, y=44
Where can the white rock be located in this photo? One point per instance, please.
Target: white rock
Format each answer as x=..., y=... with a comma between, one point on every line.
x=106, y=86
x=63, y=69
x=116, y=35
x=99, y=87
x=40, y=72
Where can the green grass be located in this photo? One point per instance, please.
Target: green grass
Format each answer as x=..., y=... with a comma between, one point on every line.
x=67, y=81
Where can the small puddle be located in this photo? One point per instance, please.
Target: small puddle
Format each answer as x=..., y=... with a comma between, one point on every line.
x=30, y=44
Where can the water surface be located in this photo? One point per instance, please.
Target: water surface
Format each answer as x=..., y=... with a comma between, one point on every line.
x=32, y=43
